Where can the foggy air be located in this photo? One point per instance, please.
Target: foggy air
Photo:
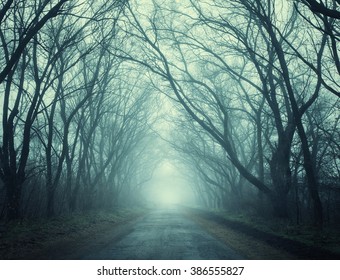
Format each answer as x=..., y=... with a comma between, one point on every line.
x=169, y=129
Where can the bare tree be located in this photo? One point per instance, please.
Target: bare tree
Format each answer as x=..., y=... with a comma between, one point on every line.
x=239, y=39
x=34, y=56
x=14, y=45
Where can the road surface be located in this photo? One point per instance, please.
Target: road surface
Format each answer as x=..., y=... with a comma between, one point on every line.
x=166, y=234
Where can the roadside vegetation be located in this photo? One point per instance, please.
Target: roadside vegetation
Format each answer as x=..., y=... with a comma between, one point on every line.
x=268, y=238
x=63, y=236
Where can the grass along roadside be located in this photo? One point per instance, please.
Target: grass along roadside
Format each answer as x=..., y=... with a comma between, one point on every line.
x=328, y=239
x=63, y=237
x=267, y=239
x=249, y=247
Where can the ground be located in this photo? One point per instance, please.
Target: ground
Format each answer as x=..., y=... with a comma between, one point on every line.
x=261, y=242
x=173, y=233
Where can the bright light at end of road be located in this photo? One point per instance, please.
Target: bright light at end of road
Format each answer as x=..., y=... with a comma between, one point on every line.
x=168, y=187
x=168, y=198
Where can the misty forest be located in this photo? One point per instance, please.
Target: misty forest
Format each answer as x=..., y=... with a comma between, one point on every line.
x=174, y=117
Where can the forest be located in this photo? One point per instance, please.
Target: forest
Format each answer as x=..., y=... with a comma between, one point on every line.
x=242, y=97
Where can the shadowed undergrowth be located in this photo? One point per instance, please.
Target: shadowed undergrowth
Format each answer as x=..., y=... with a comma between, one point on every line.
x=46, y=239
x=261, y=238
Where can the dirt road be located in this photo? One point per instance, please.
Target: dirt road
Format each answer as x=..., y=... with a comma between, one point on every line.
x=145, y=234
x=165, y=234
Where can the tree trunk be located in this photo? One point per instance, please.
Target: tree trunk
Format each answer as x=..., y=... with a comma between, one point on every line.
x=280, y=205
x=281, y=176
x=313, y=190
x=13, y=193
x=50, y=201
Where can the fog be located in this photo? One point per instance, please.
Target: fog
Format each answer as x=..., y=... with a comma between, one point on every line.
x=169, y=187
x=230, y=105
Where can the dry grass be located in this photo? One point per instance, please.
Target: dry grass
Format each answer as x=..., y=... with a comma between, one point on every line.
x=63, y=237
x=328, y=238
x=249, y=247
x=258, y=238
